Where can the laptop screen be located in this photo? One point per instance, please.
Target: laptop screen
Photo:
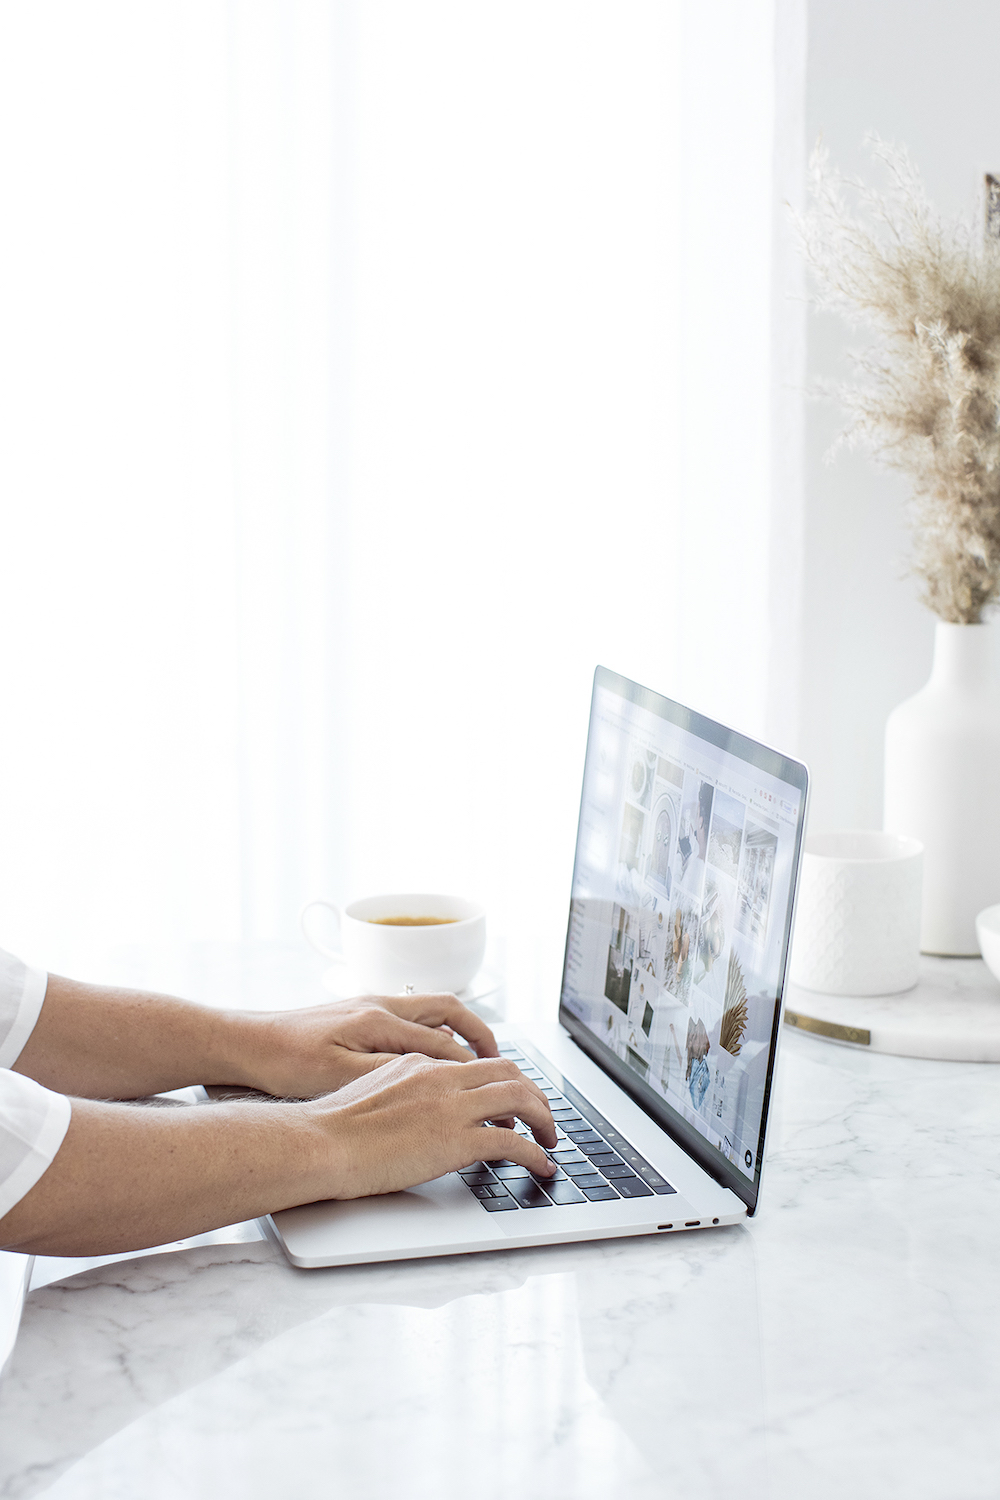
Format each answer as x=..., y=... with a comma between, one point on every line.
x=686, y=857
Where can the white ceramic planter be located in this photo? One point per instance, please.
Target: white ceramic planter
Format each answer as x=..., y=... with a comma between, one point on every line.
x=942, y=784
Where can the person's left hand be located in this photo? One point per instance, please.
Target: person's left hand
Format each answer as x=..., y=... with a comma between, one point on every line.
x=302, y=1053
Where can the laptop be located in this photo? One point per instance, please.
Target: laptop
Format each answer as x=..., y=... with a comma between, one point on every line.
x=660, y=1062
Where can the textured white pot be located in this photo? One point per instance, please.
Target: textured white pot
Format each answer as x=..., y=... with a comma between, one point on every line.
x=857, y=923
x=942, y=784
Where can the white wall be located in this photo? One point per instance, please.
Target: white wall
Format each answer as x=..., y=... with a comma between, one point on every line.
x=559, y=422
x=923, y=74
x=118, y=683
x=371, y=372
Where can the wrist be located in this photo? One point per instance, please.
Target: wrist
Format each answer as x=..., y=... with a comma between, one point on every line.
x=261, y=1053
x=238, y=1050
x=327, y=1161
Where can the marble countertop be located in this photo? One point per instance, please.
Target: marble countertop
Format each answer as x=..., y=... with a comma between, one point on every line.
x=846, y=1341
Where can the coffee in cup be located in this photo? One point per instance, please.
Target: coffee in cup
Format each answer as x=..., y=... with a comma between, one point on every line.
x=411, y=921
x=406, y=944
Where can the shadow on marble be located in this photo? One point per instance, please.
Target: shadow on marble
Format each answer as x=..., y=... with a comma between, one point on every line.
x=628, y=1368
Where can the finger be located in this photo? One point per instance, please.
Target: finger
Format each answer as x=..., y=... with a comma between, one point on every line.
x=494, y=1143
x=445, y=1010
x=497, y=1070
x=394, y=1034
x=499, y=1101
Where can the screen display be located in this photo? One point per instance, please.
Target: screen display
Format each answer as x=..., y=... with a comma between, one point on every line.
x=682, y=890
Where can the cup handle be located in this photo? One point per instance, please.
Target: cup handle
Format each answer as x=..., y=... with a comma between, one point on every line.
x=314, y=942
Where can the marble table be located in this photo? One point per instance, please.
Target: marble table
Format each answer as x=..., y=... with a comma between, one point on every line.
x=846, y=1341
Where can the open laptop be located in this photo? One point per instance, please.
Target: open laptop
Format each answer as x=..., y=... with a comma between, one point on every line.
x=659, y=1067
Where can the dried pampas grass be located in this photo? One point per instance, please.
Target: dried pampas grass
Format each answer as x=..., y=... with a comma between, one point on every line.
x=927, y=395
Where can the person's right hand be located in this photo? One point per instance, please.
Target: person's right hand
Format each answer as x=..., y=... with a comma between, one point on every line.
x=417, y=1118
x=125, y=1178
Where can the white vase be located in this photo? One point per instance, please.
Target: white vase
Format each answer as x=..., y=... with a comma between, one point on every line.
x=942, y=784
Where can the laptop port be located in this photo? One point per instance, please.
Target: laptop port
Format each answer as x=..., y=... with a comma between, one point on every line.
x=692, y=1224
x=664, y=1226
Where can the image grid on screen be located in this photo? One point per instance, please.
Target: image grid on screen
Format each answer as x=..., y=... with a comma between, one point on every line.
x=678, y=915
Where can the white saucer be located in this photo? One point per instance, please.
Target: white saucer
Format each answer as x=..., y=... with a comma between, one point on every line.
x=486, y=986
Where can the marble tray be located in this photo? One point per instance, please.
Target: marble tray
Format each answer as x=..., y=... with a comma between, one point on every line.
x=953, y=1014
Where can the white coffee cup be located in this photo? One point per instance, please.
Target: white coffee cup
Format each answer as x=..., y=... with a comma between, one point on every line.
x=390, y=959
x=857, y=926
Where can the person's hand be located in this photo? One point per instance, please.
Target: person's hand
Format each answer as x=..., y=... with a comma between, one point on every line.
x=415, y=1118
x=125, y=1178
x=303, y=1053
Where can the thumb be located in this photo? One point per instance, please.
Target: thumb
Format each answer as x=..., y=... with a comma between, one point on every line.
x=357, y=1064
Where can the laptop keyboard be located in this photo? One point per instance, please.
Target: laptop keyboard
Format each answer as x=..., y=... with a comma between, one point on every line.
x=594, y=1162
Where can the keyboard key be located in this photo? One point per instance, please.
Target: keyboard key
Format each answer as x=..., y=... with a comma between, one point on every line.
x=543, y=1180
x=498, y=1205
x=587, y=1143
x=564, y=1192
x=631, y=1187
x=599, y=1194
x=509, y=1170
x=476, y=1179
x=528, y=1194
x=496, y=1191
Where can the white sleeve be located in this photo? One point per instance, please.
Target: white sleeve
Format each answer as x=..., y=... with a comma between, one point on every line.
x=22, y=991
x=33, y=1122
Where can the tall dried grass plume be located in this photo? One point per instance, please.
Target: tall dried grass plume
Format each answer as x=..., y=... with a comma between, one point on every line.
x=926, y=398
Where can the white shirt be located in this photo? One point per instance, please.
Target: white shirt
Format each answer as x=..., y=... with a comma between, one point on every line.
x=33, y=1120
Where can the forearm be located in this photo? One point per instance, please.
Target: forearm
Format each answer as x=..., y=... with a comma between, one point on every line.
x=124, y=1044
x=127, y=1177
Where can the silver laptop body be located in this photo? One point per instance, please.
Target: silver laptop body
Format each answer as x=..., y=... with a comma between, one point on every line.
x=660, y=1064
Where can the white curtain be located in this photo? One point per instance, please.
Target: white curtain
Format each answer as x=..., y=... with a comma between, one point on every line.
x=369, y=372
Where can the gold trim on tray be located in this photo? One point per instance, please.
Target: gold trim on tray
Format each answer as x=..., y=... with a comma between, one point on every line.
x=856, y=1034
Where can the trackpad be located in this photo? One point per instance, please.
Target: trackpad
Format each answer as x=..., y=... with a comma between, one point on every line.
x=441, y=1215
